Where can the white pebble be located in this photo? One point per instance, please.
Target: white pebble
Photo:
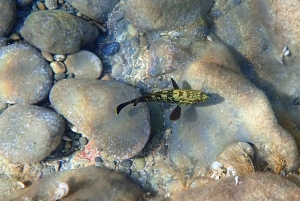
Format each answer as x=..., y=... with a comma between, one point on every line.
x=59, y=57
x=216, y=165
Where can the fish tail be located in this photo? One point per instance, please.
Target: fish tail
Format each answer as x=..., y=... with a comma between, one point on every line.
x=122, y=105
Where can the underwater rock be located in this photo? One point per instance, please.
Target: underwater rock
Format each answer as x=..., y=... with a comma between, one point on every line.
x=236, y=111
x=90, y=183
x=165, y=58
x=29, y=133
x=90, y=106
x=23, y=2
x=110, y=49
x=8, y=16
x=41, y=29
x=97, y=10
x=237, y=158
x=260, y=51
x=84, y=64
x=252, y=187
x=164, y=14
x=27, y=79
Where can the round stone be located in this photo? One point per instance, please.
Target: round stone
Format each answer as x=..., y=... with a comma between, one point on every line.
x=27, y=79
x=47, y=56
x=90, y=106
x=29, y=133
x=57, y=31
x=58, y=67
x=7, y=16
x=83, y=141
x=84, y=64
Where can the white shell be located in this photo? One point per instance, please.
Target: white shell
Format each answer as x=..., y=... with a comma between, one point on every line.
x=236, y=178
x=61, y=191
x=287, y=53
x=216, y=165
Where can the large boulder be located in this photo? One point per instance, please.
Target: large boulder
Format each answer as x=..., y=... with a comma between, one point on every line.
x=90, y=106
x=25, y=76
x=29, y=133
x=41, y=29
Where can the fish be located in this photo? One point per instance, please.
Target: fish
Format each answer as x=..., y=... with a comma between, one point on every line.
x=176, y=95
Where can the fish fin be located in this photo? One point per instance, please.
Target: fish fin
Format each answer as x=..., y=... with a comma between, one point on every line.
x=176, y=113
x=121, y=106
x=175, y=85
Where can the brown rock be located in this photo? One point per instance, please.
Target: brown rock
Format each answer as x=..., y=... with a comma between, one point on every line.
x=25, y=76
x=90, y=106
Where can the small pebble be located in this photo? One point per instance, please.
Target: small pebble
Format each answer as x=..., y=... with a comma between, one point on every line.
x=15, y=36
x=51, y=4
x=116, y=16
x=139, y=163
x=98, y=159
x=68, y=145
x=77, y=136
x=59, y=57
x=71, y=134
x=66, y=138
x=47, y=56
x=75, y=143
x=126, y=163
x=41, y=5
x=264, y=47
x=58, y=67
x=110, y=49
x=60, y=76
x=61, y=1
x=79, y=14
x=83, y=141
x=71, y=75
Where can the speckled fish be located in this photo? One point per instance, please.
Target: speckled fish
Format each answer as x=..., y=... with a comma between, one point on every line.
x=176, y=95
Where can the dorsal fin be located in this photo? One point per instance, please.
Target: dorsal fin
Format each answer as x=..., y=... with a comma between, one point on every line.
x=175, y=85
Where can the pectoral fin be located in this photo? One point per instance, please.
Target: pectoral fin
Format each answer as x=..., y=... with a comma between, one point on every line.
x=176, y=113
x=175, y=85
x=121, y=106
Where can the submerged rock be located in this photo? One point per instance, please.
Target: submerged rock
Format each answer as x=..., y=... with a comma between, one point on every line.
x=274, y=28
x=164, y=14
x=90, y=106
x=89, y=183
x=8, y=16
x=236, y=111
x=252, y=187
x=29, y=133
x=98, y=10
x=25, y=76
x=166, y=58
x=41, y=29
x=84, y=64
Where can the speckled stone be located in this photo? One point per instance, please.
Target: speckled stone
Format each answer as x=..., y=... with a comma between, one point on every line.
x=29, y=133
x=236, y=111
x=90, y=106
x=7, y=16
x=164, y=58
x=27, y=79
x=58, y=67
x=51, y=4
x=47, y=56
x=41, y=29
x=164, y=14
x=98, y=10
x=94, y=183
x=252, y=187
x=84, y=64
